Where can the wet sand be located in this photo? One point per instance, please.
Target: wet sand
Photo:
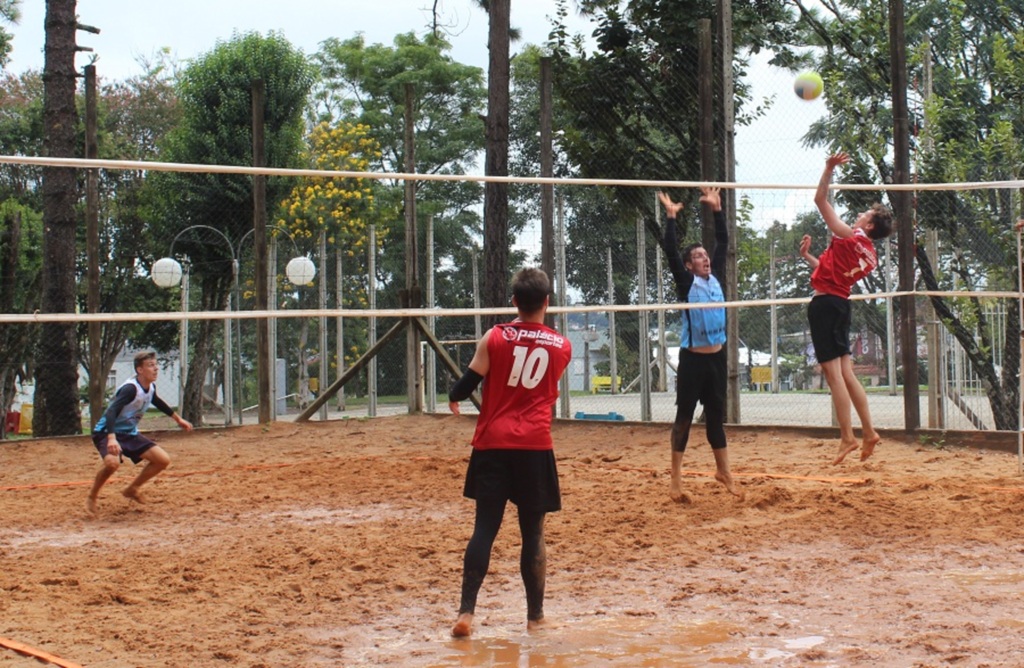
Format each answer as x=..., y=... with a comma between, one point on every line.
x=340, y=544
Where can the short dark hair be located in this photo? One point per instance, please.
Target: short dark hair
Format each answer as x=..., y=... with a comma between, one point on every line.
x=882, y=219
x=142, y=357
x=530, y=287
x=688, y=251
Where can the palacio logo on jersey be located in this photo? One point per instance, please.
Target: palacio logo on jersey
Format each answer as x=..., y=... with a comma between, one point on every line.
x=544, y=338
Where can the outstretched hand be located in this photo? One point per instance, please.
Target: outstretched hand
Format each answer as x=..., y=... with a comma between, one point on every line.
x=711, y=197
x=671, y=208
x=805, y=244
x=835, y=159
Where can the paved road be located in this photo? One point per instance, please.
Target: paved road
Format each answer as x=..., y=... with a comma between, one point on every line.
x=756, y=408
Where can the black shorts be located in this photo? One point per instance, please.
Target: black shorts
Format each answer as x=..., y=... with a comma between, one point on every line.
x=527, y=478
x=133, y=446
x=830, y=326
x=701, y=377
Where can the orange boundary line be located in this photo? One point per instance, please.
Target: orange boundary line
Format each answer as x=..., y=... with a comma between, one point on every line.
x=169, y=474
x=783, y=476
x=22, y=648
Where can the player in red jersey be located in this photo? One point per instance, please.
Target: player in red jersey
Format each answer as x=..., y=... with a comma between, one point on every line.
x=512, y=457
x=849, y=257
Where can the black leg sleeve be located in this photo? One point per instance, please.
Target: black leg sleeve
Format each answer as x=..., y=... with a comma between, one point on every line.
x=533, y=562
x=478, y=552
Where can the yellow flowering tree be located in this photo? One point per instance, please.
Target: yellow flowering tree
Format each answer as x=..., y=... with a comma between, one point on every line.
x=341, y=207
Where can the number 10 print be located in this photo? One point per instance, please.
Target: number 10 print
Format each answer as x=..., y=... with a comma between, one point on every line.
x=534, y=365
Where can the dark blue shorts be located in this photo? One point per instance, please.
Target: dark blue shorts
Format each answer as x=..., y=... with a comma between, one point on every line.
x=133, y=446
x=527, y=478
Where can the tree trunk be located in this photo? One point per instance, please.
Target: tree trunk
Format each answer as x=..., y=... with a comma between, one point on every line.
x=1002, y=401
x=496, y=277
x=57, y=410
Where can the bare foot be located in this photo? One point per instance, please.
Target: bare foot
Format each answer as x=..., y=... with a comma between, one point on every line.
x=538, y=624
x=132, y=494
x=867, y=446
x=92, y=506
x=463, y=626
x=844, y=449
x=675, y=492
x=726, y=479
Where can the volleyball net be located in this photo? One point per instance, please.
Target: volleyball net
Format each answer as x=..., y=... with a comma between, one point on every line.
x=173, y=269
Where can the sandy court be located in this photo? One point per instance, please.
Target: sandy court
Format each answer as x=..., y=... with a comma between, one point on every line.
x=340, y=544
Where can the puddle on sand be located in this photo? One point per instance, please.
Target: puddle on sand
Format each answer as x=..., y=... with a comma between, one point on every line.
x=984, y=576
x=792, y=647
x=600, y=641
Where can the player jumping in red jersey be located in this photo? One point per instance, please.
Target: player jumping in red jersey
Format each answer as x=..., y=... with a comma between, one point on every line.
x=849, y=257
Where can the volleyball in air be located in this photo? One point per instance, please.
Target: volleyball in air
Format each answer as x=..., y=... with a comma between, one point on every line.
x=808, y=85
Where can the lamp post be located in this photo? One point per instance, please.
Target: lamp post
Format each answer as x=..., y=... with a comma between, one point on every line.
x=167, y=272
x=169, y=277
x=300, y=271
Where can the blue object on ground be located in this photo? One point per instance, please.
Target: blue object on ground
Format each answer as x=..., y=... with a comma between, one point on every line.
x=600, y=416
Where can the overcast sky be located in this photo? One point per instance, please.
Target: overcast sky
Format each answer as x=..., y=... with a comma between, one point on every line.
x=767, y=152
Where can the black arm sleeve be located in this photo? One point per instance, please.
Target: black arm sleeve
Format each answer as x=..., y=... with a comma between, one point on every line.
x=721, y=246
x=161, y=405
x=683, y=278
x=464, y=386
x=123, y=397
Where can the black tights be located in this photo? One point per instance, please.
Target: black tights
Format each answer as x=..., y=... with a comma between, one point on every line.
x=714, y=424
x=532, y=560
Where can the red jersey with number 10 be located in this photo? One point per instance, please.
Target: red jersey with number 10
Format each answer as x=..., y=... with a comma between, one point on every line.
x=526, y=362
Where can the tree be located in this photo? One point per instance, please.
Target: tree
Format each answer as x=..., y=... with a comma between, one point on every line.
x=496, y=238
x=21, y=232
x=215, y=97
x=9, y=13
x=632, y=103
x=365, y=84
x=339, y=208
x=133, y=115
x=56, y=399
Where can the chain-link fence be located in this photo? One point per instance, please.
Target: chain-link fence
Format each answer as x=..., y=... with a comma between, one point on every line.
x=185, y=285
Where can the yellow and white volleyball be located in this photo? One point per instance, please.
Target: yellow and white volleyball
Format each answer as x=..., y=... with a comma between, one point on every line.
x=808, y=85
x=300, y=271
x=166, y=272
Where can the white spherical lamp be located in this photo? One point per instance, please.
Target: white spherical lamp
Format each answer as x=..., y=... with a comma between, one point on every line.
x=300, y=271
x=166, y=272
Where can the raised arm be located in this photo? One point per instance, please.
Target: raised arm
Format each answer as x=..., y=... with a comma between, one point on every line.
x=835, y=224
x=670, y=244
x=711, y=197
x=805, y=251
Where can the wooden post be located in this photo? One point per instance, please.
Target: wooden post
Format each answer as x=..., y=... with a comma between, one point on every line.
x=705, y=97
x=902, y=214
x=547, y=193
x=264, y=362
x=411, y=298
x=97, y=379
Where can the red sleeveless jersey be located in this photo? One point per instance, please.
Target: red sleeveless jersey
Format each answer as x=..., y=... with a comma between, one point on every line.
x=844, y=262
x=521, y=386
